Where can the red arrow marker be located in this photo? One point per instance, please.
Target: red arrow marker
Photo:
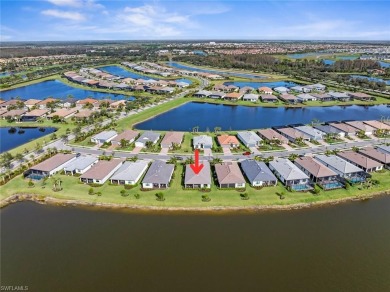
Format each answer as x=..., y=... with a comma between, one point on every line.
x=196, y=167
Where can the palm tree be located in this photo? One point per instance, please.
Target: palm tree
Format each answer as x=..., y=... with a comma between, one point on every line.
x=189, y=160
x=134, y=158
x=355, y=149
x=172, y=160
x=268, y=159
x=293, y=156
x=216, y=160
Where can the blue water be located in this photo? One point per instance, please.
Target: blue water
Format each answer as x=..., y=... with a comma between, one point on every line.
x=371, y=78
x=304, y=55
x=4, y=74
x=331, y=62
x=384, y=64
x=200, y=53
x=184, y=67
x=347, y=58
x=56, y=89
x=9, y=141
x=328, y=62
x=118, y=71
x=205, y=115
x=260, y=84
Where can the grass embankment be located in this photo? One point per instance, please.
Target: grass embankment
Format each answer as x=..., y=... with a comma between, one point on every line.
x=175, y=196
x=30, y=82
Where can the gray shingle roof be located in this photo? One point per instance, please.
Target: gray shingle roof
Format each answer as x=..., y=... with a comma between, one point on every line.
x=148, y=136
x=338, y=163
x=287, y=169
x=257, y=171
x=229, y=173
x=203, y=177
x=105, y=135
x=80, y=162
x=248, y=137
x=159, y=172
x=203, y=139
x=130, y=170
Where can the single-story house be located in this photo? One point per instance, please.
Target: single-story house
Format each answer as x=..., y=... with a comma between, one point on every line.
x=360, y=126
x=292, y=134
x=129, y=173
x=128, y=135
x=63, y=113
x=15, y=114
x=341, y=96
x=12, y=103
x=217, y=94
x=343, y=168
x=289, y=98
x=118, y=103
x=104, y=137
x=202, y=142
x=229, y=175
x=228, y=141
x=361, y=161
x=377, y=155
x=249, y=138
x=87, y=101
x=268, y=98
x=272, y=135
x=172, y=138
x=34, y=115
x=50, y=166
x=202, y=93
x=383, y=148
x=158, y=176
x=80, y=165
x=378, y=126
x=30, y=103
x=329, y=130
x=199, y=180
x=313, y=133
x=319, y=173
x=360, y=96
x=299, y=88
x=246, y=89
x=233, y=96
x=101, y=171
x=83, y=114
x=250, y=97
x=281, y=89
x=322, y=96
x=290, y=175
x=43, y=103
x=265, y=90
x=145, y=137
x=317, y=86
x=347, y=129
x=306, y=97
x=258, y=173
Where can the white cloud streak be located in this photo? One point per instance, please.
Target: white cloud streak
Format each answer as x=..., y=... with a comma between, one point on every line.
x=74, y=16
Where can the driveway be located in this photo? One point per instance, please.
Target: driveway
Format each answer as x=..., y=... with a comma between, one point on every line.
x=226, y=151
x=287, y=147
x=136, y=150
x=254, y=150
x=207, y=152
x=164, y=151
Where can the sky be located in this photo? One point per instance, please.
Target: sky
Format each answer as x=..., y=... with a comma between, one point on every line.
x=61, y=20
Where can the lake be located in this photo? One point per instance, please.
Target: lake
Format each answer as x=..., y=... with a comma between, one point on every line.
x=331, y=62
x=56, y=89
x=256, y=85
x=207, y=115
x=118, y=71
x=376, y=79
x=189, y=68
x=335, y=248
x=12, y=140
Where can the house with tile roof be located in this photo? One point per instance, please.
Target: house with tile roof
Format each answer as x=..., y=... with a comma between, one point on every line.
x=228, y=141
x=361, y=161
x=229, y=175
x=172, y=138
x=377, y=155
x=101, y=171
x=199, y=180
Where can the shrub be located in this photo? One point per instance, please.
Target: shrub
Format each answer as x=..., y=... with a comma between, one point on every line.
x=90, y=191
x=99, y=193
x=206, y=198
x=160, y=196
x=244, y=196
x=30, y=183
x=137, y=196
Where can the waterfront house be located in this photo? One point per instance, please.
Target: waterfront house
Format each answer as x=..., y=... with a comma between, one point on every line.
x=272, y=136
x=128, y=135
x=347, y=129
x=361, y=161
x=249, y=138
x=341, y=96
x=15, y=114
x=313, y=133
x=12, y=104
x=281, y=89
x=383, y=148
x=258, y=173
x=202, y=93
x=343, y=168
x=377, y=155
x=129, y=173
x=228, y=141
x=50, y=166
x=87, y=102
x=246, y=89
x=201, y=180
x=158, y=176
x=172, y=138
x=331, y=131
x=34, y=115
x=378, y=126
x=83, y=114
x=250, y=97
x=317, y=86
x=319, y=173
x=30, y=103
x=217, y=95
x=80, y=165
x=292, y=134
x=289, y=98
x=153, y=137
x=299, y=88
x=265, y=90
x=202, y=142
x=290, y=175
x=101, y=171
x=117, y=104
x=322, y=96
x=304, y=97
x=44, y=104
x=233, y=96
x=360, y=96
x=63, y=113
x=229, y=175
x=268, y=98
x=360, y=126
x=104, y=137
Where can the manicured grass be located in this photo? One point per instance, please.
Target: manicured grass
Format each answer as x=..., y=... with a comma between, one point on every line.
x=177, y=197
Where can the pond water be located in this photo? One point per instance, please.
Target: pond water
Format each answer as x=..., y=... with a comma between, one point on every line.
x=56, y=89
x=337, y=248
x=190, y=68
x=331, y=62
x=10, y=139
x=256, y=85
x=207, y=115
x=376, y=79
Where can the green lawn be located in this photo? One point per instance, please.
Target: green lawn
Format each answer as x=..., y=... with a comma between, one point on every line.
x=177, y=197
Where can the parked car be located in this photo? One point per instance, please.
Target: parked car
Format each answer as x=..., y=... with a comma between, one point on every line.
x=247, y=153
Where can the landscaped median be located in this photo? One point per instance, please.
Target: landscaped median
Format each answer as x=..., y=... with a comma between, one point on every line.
x=176, y=198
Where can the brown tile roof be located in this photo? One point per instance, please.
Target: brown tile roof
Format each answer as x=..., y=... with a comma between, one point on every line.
x=16, y=112
x=265, y=89
x=377, y=125
x=288, y=97
x=376, y=155
x=127, y=135
x=37, y=113
x=53, y=162
x=63, y=112
x=87, y=100
x=172, y=137
x=293, y=133
x=235, y=95
x=361, y=126
x=271, y=134
x=84, y=114
x=359, y=159
x=101, y=169
x=46, y=101
x=227, y=140
x=314, y=167
x=229, y=173
x=31, y=101
x=344, y=127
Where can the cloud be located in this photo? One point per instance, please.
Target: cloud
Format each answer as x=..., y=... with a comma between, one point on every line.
x=74, y=16
x=89, y=4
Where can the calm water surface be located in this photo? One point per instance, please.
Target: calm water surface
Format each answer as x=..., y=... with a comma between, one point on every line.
x=337, y=248
x=56, y=89
x=376, y=79
x=206, y=115
x=256, y=85
x=9, y=140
